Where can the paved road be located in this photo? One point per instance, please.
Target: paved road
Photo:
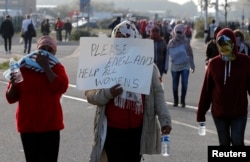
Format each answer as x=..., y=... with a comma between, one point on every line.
x=76, y=138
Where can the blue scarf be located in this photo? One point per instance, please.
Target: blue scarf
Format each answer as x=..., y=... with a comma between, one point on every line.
x=29, y=61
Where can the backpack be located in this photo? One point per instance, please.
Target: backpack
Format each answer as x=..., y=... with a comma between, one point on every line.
x=31, y=30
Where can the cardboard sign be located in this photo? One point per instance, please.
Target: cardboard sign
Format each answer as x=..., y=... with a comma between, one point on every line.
x=105, y=62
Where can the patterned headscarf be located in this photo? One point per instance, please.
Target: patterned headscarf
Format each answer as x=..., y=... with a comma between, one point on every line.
x=126, y=28
x=49, y=41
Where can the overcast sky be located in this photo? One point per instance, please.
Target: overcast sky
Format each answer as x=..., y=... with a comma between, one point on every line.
x=176, y=1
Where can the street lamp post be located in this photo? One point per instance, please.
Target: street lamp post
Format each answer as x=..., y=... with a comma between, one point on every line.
x=217, y=12
x=6, y=7
x=242, y=19
x=206, y=21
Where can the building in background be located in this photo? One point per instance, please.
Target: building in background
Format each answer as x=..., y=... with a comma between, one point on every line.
x=17, y=7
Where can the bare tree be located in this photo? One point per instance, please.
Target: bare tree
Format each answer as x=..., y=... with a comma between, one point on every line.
x=225, y=6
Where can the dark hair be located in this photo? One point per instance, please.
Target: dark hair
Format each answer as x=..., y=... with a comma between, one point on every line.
x=216, y=30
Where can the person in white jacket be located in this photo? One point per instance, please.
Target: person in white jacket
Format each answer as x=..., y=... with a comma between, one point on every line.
x=128, y=126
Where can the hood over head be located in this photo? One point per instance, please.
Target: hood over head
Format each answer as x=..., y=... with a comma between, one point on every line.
x=239, y=37
x=226, y=43
x=178, y=36
x=238, y=33
x=179, y=29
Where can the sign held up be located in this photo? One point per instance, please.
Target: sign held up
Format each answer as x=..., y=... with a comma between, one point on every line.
x=104, y=62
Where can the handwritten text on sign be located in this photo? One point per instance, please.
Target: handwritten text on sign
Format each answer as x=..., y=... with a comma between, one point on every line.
x=104, y=62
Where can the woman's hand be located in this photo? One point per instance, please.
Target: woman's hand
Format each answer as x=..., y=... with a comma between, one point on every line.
x=42, y=60
x=116, y=90
x=166, y=129
x=12, y=92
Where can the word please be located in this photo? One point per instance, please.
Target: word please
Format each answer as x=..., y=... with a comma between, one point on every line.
x=216, y=153
x=107, y=49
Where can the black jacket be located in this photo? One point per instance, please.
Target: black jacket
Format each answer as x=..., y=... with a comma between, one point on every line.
x=7, y=28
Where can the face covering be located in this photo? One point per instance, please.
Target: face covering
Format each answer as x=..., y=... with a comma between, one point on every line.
x=225, y=46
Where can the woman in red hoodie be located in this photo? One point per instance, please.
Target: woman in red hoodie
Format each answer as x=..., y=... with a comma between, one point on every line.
x=226, y=89
x=39, y=112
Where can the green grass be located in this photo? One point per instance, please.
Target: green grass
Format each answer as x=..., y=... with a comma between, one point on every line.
x=4, y=65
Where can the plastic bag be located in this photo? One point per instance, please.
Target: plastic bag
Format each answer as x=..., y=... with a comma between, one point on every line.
x=21, y=40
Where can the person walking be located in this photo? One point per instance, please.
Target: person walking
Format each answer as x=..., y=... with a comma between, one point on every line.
x=242, y=46
x=26, y=34
x=182, y=61
x=160, y=49
x=188, y=32
x=7, y=32
x=166, y=30
x=211, y=49
x=45, y=27
x=210, y=31
x=39, y=113
x=58, y=28
x=148, y=27
x=131, y=120
x=67, y=28
x=114, y=23
x=226, y=89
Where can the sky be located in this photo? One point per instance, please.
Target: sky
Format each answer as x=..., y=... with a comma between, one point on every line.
x=183, y=1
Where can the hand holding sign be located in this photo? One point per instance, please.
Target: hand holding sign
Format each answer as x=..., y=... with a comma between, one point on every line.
x=116, y=90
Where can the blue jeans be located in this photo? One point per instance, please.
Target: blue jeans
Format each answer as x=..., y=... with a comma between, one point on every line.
x=184, y=84
x=231, y=131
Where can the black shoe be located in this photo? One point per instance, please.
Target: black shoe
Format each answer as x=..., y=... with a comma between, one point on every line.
x=183, y=104
x=175, y=104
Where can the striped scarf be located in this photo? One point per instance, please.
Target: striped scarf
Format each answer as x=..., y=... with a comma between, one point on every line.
x=29, y=61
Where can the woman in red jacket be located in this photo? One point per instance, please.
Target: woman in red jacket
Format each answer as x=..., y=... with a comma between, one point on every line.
x=226, y=88
x=39, y=113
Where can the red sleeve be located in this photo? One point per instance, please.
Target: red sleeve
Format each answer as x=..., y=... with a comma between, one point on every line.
x=60, y=84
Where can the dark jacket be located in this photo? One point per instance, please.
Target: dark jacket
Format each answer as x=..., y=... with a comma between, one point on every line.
x=226, y=85
x=114, y=23
x=68, y=26
x=211, y=50
x=7, y=28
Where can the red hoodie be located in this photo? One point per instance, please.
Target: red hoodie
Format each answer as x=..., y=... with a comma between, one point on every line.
x=226, y=85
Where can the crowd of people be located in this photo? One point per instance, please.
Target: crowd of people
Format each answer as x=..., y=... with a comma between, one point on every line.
x=28, y=31
x=135, y=121
x=171, y=47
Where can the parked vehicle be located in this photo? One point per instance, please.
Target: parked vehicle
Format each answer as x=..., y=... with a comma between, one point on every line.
x=83, y=22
